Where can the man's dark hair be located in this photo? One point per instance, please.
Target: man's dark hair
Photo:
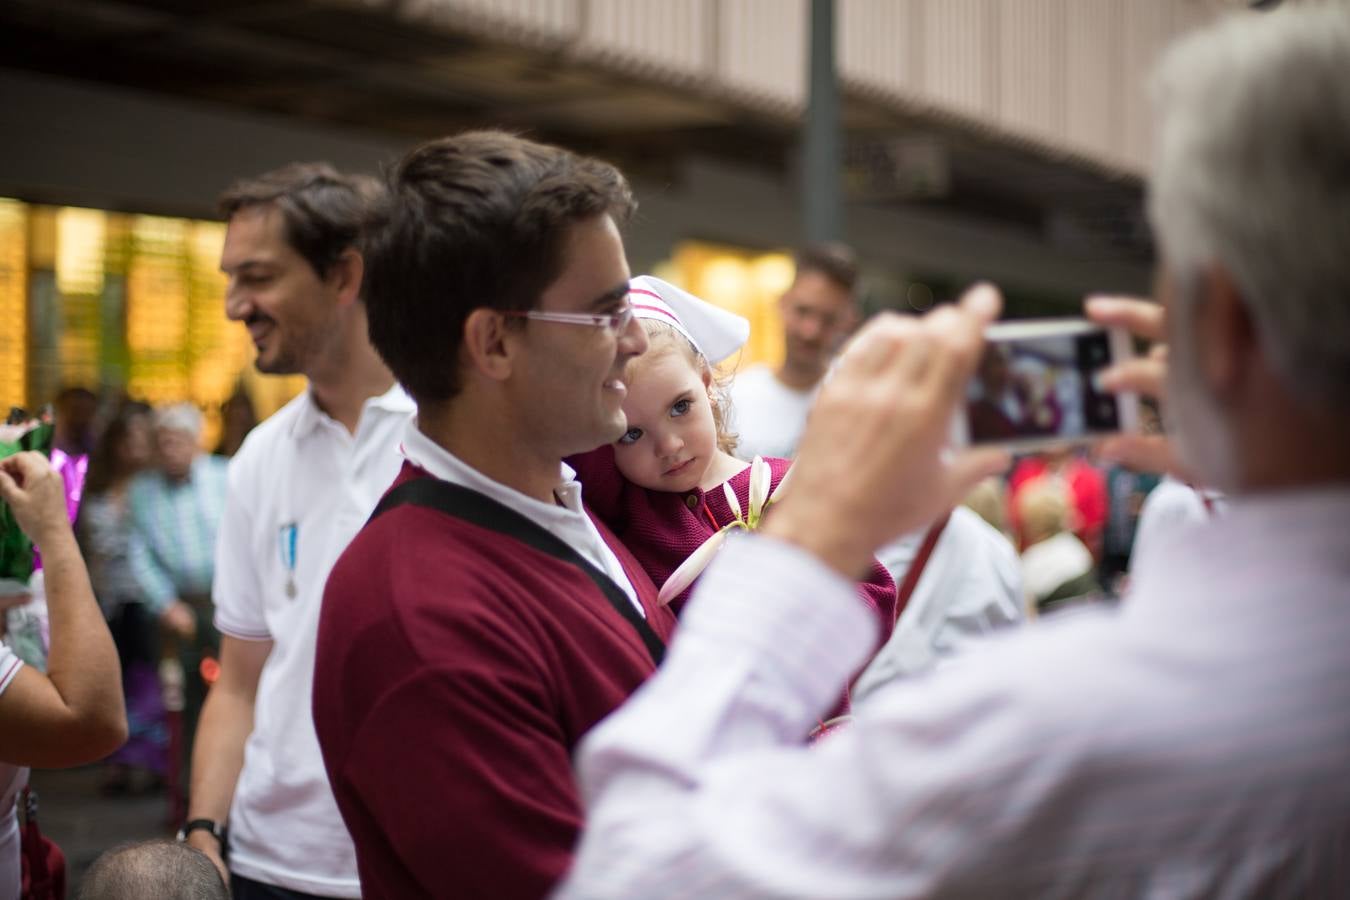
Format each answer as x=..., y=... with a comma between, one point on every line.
x=835, y=261
x=324, y=211
x=475, y=220
x=153, y=870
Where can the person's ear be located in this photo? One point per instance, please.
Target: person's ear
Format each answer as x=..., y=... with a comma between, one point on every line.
x=489, y=347
x=345, y=275
x=1225, y=332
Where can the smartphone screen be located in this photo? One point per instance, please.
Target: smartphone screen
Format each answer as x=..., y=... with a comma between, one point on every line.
x=1037, y=385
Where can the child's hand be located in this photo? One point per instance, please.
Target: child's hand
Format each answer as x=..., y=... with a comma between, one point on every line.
x=871, y=464
x=37, y=495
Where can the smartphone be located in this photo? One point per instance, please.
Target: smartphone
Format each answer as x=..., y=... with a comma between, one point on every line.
x=1038, y=386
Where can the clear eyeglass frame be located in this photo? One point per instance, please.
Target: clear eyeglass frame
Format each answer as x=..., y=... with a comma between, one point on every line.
x=612, y=322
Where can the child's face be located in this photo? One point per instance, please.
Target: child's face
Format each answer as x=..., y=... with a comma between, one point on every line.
x=671, y=439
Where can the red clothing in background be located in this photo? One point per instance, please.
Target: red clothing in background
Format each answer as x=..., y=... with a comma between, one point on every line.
x=456, y=670
x=1087, y=487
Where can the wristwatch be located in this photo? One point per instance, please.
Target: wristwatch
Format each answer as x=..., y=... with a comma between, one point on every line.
x=218, y=831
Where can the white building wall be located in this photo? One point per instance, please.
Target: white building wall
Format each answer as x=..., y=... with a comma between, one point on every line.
x=1063, y=74
x=761, y=50
x=1094, y=81
x=670, y=35
x=1031, y=58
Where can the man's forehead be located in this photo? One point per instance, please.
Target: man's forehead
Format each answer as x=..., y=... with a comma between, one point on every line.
x=812, y=288
x=595, y=267
x=254, y=234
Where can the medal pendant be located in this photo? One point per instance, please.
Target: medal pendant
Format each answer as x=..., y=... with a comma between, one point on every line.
x=290, y=589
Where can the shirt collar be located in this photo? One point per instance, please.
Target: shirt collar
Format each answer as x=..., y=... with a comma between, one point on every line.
x=394, y=400
x=425, y=453
x=1273, y=534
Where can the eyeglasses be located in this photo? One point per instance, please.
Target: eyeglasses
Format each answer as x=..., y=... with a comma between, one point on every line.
x=612, y=322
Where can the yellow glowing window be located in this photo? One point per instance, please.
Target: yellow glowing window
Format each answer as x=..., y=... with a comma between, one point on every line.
x=745, y=282
x=121, y=303
x=13, y=304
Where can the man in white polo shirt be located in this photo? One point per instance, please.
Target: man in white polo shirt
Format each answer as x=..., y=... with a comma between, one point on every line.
x=770, y=405
x=300, y=487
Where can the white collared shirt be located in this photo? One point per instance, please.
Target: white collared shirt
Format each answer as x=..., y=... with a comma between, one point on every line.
x=300, y=488
x=1191, y=744
x=1172, y=504
x=970, y=588
x=566, y=520
x=766, y=415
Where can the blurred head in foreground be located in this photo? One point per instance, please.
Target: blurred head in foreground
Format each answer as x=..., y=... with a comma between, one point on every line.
x=1250, y=199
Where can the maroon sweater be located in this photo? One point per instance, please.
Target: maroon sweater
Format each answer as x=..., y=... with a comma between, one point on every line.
x=456, y=670
x=662, y=528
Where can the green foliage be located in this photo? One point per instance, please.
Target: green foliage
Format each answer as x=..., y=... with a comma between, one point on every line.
x=16, y=551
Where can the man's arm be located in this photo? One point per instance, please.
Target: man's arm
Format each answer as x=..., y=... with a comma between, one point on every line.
x=225, y=724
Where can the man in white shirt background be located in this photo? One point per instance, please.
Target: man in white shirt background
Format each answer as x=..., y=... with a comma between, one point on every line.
x=300, y=487
x=1190, y=743
x=770, y=405
x=1171, y=505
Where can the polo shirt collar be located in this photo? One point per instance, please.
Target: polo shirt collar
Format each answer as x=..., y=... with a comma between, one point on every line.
x=394, y=400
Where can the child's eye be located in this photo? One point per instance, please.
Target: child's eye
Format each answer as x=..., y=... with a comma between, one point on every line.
x=681, y=407
x=631, y=436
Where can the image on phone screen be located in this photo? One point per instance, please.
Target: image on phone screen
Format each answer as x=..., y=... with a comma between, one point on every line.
x=1041, y=388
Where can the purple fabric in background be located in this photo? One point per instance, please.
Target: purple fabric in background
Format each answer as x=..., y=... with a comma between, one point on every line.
x=147, y=745
x=72, y=469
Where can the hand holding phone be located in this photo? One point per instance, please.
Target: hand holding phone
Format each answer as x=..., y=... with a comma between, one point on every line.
x=1145, y=375
x=1038, y=385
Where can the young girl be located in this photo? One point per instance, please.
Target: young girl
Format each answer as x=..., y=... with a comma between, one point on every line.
x=659, y=487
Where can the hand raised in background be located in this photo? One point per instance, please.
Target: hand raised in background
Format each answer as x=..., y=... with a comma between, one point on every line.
x=37, y=495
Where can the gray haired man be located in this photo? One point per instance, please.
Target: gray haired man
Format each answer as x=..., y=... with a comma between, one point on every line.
x=175, y=511
x=1191, y=744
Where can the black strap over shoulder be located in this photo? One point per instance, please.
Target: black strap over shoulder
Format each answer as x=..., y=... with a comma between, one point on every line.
x=471, y=506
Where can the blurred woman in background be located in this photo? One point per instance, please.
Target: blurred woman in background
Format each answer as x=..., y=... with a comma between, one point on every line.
x=103, y=526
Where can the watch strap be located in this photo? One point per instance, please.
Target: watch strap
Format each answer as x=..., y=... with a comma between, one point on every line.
x=218, y=831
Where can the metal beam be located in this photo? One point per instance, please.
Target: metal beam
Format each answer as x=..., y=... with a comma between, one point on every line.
x=823, y=214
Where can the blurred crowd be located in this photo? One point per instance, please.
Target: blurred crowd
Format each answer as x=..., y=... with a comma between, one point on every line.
x=149, y=498
x=525, y=593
